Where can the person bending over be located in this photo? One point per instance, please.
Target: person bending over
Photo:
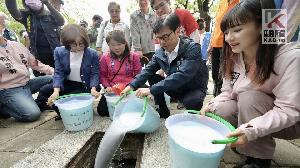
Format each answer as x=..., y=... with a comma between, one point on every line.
x=260, y=92
x=186, y=73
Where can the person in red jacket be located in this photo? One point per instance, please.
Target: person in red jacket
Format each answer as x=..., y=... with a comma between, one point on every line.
x=187, y=20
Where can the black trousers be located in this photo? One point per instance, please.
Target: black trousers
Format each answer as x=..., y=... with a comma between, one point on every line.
x=216, y=71
x=191, y=99
x=102, y=108
x=47, y=59
x=146, y=58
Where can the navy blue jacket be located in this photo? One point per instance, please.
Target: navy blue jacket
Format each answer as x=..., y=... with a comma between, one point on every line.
x=89, y=70
x=50, y=22
x=49, y=25
x=187, y=72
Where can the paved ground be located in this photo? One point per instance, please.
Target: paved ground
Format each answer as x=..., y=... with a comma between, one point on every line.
x=19, y=140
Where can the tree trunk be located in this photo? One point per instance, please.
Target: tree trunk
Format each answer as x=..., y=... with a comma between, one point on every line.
x=203, y=11
x=186, y=4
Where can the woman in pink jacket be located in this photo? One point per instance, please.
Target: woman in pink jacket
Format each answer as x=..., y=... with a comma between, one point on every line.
x=261, y=86
x=117, y=67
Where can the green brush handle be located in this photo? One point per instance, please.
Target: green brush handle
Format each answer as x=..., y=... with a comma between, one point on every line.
x=72, y=95
x=145, y=106
x=132, y=92
x=221, y=120
x=122, y=97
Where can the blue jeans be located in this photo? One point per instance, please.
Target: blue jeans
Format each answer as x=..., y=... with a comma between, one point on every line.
x=19, y=103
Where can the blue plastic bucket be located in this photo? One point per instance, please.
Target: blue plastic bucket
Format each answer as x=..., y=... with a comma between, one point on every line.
x=132, y=107
x=76, y=111
x=190, y=141
x=111, y=99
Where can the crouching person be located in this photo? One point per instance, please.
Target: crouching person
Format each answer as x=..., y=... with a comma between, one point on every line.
x=76, y=67
x=260, y=93
x=16, y=87
x=186, y=73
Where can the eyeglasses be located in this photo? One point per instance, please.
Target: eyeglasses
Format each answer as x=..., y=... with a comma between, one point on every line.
x=74, y=45
x=164, y=37
x=159, y=6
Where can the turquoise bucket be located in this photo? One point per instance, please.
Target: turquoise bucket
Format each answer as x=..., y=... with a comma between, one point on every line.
x=192, y=141
x=149, y=118
x=111, y=99
x=76, y=111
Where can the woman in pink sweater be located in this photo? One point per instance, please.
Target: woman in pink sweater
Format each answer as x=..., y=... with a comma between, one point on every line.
x=119, y=66
x=261, y=86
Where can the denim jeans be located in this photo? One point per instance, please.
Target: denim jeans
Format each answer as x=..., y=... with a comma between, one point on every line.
x=19, y=103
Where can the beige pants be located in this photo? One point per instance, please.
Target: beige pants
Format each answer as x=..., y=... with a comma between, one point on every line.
x=252, y=104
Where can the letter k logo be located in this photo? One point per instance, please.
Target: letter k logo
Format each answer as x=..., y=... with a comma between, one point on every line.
x=276, y=21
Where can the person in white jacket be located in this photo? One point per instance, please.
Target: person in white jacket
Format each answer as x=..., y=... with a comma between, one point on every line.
x=261, y=86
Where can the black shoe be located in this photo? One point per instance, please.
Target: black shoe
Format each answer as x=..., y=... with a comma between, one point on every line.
x=57, y=118
x=163, y=112
x=251, y=162
x=4, y=116
x=180, y=106
x=235, y=151
x=45, y=107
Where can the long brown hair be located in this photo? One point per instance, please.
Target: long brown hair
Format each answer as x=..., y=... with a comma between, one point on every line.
x=243, y=12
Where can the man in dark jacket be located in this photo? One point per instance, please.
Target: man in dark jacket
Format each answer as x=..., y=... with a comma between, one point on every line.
x=186, y=74
x=42, y=25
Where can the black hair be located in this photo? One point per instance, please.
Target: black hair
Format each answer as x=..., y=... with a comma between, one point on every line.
x=111, y=4
x=201, y=23
x=171, y=21
x=97, y=18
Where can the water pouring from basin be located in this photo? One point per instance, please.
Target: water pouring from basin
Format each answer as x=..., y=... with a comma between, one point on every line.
x=131, y=115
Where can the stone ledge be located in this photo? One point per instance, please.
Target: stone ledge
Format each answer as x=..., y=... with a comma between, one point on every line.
x=62, y=148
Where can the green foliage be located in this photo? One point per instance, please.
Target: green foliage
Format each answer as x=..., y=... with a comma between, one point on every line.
x=193, y=6
x=200, y=8
x=14, y=25
x=68, y=18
